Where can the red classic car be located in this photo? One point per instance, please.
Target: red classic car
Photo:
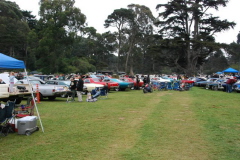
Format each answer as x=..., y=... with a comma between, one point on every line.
x=134, y=81
x=111, y=85
x=187, y=81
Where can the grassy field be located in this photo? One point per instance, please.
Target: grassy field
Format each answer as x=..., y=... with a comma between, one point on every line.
x=164, y=125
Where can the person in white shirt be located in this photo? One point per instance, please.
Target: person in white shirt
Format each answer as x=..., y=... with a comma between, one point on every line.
x=11, y=82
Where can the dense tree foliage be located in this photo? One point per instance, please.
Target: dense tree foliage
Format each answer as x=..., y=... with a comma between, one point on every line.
x=215, y=62
x=238, y=38
x=59, y=22
x=61, y=42
x=233, y=51
x=13, y=30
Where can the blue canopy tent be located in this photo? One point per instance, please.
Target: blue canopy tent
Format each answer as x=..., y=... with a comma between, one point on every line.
x=7, y=62
x=219, y=72
x=230, y=70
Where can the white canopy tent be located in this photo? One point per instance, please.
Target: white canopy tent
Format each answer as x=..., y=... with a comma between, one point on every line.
x=7, y=62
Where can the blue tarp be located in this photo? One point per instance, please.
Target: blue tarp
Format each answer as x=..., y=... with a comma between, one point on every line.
x=230, y=70
x=8, y=62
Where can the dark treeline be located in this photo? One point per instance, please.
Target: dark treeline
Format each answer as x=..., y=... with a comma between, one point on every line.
x=180, y=40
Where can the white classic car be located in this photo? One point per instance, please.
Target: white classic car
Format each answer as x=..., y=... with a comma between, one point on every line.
x=19, y=90
x=45, y=90
x=87, y=87
x=159, y=79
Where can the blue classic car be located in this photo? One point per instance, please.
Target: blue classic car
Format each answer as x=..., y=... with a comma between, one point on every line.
x=122, y=85
x=204, y=83
x=216, y=85
x=236, y=86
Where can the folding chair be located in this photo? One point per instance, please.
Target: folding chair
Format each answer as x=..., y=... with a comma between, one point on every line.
x=6, y=114
x=25, y=110
x=155, y=85
x=169, y=85
x=94, y=94
x=163, y=86
x=176, y=85
x=187, y=87
x=103, y=94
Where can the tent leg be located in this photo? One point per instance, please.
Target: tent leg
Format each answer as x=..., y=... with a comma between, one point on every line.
x=34, y=101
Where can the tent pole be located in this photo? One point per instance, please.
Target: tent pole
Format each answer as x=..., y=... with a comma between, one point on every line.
x=34, y=101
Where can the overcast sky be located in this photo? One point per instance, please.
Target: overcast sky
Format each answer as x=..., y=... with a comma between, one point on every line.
x=97, y=11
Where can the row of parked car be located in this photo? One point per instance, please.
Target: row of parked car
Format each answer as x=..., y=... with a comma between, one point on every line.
x=55, y=88
x=216, y=84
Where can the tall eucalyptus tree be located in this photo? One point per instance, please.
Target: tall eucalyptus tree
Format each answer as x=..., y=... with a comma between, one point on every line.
x=120, y=18
x=139, y=34
x=188, y=31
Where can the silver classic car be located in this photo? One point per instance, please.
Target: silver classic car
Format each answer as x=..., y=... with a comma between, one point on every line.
x=46, y=90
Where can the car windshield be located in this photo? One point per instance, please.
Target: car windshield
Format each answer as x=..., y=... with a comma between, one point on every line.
x=118, y=80
x=210, y=80
x=64, y=83
x=93, y=76
x=96, y=80
x=35, y=82
x=165, y=78
x=108, y=81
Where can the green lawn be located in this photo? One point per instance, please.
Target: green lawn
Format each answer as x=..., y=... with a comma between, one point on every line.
x=164, y=125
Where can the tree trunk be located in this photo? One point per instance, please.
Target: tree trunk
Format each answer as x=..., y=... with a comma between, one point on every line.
x=128, y=55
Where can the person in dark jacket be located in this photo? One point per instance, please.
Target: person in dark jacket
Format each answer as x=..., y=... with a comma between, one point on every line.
x=73, y=86
x=145, y=80
x=148, y=79
x=80, y=88
x=137, y=82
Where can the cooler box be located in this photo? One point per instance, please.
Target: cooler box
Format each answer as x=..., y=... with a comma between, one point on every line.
x=27, y=125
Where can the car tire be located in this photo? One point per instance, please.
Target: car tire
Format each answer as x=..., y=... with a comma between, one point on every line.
x=41, y=96
x=18, y=100
x=207, y=87
x=215, y=88
x=64, y=95
x=52, y=98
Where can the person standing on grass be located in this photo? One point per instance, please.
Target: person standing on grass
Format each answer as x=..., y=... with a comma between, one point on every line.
x=148, y=79
x=11, y=81
x=73, y=86
x=137, y=82
x=145, y=80
x=80, y=89
x=229, y=84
